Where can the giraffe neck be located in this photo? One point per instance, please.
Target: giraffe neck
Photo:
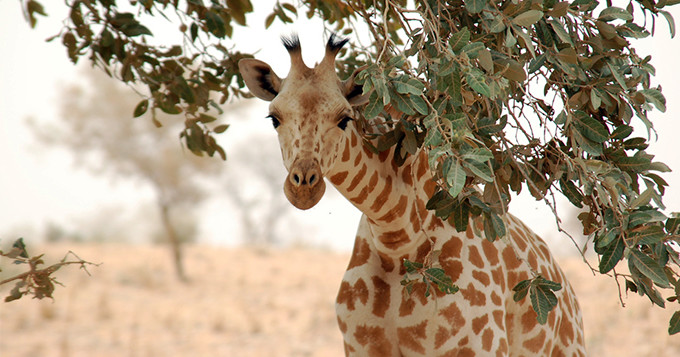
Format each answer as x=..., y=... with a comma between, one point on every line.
x=392, y=197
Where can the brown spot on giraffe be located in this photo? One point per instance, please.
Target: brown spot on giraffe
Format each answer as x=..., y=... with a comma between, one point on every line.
x=411, y=337
x=487, y=339
x=479, y=323
x=360, y=255
x=386, y=262
x=349, y=294
x=361, y=197
x=394, y=239
x=357, y=178
x=381, y=299
x=495, y=299
x=441, y=337
x=339, y=178
x=490, y=252
x=475, y=258
x=510, y=259
x=342, y=325
x=357, y=160
x=406, y=306
x=473, y=296
x=482, y=277
x=313, y=107
x=407, y=175
x=435, y=223
x=384, y=195
x=396, y=211
x=498, y=318
x=452, y=267
x=455, y=317
x=535, y=344
x=375, y=339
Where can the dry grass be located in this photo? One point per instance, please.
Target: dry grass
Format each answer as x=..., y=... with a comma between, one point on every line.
x=249, y=302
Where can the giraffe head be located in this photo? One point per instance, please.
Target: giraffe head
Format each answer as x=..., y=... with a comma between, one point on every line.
x=310, y=110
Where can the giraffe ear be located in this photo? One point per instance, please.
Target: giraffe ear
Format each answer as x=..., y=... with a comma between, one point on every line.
x=355, y=92
x=260, y=78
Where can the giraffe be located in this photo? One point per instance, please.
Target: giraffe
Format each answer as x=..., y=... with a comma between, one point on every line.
x=313, y=112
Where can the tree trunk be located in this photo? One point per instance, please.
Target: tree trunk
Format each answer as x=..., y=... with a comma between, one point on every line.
x=173, y=239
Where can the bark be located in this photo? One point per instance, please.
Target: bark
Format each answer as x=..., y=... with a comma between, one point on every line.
x=174, y=241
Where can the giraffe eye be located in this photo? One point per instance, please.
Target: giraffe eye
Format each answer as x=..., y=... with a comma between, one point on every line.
x=342, y=124
x=275, y=121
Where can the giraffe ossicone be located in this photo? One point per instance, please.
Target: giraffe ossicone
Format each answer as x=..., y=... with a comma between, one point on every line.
x=312, y=111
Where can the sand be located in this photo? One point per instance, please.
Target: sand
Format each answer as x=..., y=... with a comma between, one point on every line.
x=249, y=302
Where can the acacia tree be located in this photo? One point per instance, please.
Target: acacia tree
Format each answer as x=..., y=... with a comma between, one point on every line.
x=502, y=94
x=90, y=127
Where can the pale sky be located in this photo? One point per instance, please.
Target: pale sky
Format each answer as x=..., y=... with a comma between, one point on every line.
x=37, y=186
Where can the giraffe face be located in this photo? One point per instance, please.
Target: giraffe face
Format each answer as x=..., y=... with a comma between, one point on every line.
x=310, y=110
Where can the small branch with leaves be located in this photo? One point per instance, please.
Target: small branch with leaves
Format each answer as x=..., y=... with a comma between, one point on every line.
x=36, y=282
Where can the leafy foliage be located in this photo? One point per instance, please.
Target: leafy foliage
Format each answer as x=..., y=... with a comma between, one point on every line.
x=503, y=95
x=415, y=272
x=36, y=282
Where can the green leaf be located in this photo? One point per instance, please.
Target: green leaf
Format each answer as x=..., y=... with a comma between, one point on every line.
x=221, y=128
x=136, y=30
x=649, y=267
x=648, y=235
x=549, y=284
x=419, y=104
x=617, y=76
x=459, y=39
x=633, y=163
x=590, y=128
x=472, y=49
x=475, y=6
x=141, y=108
x=412, y=267
x=674, y=325
x=476, y=80
x=460, y=215
x=655, y=97
x=542, y=300
x=528, y=18
x=513, y=70
x=669, y=19
x=560, y=31
x=588, y=145
x=571, y=192
x=481, y=155
x=613, y=13
x=621, y=132
x=444, y=282
x=497, y=25
x=536, y=63
x=215, y=24
x=612, y=255
x=374, y=107
x=410, y=86
x=521, y=290
x=403, y=103
x=455, y=176
x=482, y=170
x=498, y=225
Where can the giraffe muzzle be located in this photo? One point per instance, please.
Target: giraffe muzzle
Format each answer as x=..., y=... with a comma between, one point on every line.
x=304, y=185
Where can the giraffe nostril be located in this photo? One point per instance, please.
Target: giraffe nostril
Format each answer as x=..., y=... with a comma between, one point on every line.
x=296, y=178
x=312, y=179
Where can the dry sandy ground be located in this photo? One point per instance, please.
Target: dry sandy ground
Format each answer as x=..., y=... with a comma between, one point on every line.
x=248, y=302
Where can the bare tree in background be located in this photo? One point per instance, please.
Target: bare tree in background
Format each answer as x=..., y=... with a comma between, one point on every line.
x=262, y=204
x=94, y=127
